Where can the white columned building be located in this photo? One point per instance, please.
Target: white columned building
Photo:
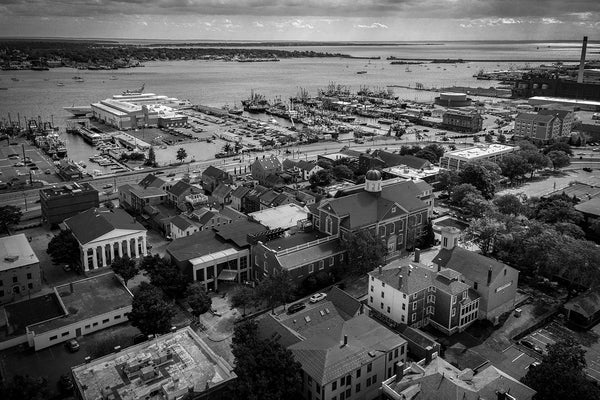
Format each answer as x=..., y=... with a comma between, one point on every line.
x=104, y=235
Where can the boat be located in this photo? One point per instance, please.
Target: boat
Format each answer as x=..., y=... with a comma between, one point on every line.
x=113, y=78
x=361, y=72
x=78, y=111
x=385, y=121
x=79, y=79
x=15, y=79
x=134, y=92
x=60, y=84
x=256, y=103
x=407, y=69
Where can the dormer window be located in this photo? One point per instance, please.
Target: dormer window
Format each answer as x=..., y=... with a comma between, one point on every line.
x=393, y=210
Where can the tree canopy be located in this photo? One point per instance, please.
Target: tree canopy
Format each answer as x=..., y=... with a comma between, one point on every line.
x=483, y=175
x=276, y=289
x=125, y=267
x=561, y=374
x=365, y=251
x=24, y=387
x=181, y=154
x=198, y=300
x=559, y=159
x=63, y=248
x=9, y=215
x=265, y=370
x=150, y=313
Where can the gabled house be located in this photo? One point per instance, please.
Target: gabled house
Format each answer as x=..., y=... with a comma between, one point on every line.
x=261, y=168
x=222, y=194
x=212, y=177
x=251, y=201
x=495, y=282
x=178, y=193
x=302, y=169
x=380, y=159
x=134, y=197
x=237, y=197
x=182, y=226
x=152, y=180
x=104, y=235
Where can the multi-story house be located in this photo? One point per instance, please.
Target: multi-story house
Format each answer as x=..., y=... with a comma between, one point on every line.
x=392, y=212
x=20, y=273
x=59, y=203
x=462, y=121
x=152, y=180
x=302, y=169
x=237, y=197
x=542, y=127
x=251, y=201
x=495, y=282
x=212, y=176
x=178, y=192
x=222, y=194
x=344, y=354
x=134, y=197
x=565, y=119
x=261, y=168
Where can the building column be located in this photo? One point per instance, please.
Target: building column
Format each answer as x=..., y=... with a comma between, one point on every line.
x=144, y=246
x=94, y=259
x=215, y=278
x=84, y=261
x=104, y=256
x=136, y=250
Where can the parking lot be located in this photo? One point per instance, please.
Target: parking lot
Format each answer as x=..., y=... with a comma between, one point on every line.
x=518, y=359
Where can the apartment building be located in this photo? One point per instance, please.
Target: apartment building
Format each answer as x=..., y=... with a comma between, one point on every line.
x=541, y=127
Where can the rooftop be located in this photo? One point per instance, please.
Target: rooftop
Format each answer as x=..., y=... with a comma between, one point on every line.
x=167, y=367
x=65, y=190
x=439, y=380
x=591, y=206
x=306, y=255
x=296, y=239
x=94, y=223
x=87, y=298
x=238, y=231
x=284, y=216
x=472, y=265
x=197, y=245
x=16, y=252
x=32, y=311
x=472, y=153
x=406, y=276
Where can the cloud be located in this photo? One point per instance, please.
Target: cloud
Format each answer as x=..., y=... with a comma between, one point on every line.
x=551, y=21
x=374, y=25
x=258, y=24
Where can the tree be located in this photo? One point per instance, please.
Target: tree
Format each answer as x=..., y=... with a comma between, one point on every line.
x=553, y=209
x=150, y=313
x=265, y=370
x=9, y=215
x=508, y=204
x=483, y=175
x=483, y=232
x=24, y=387
x=561, y=374
x=501, y=138
x=559, y=159
x=447, y=180
x=170, y=279
x=125, y=267
x=181, y=154
x=342, y=172
x=151, y=159
x=427, y=155
x=238, y=146
x=324, y=163
x=428, y=238
x=514, y=166
x=460, y=192
x=198, y=300
x=475, y=206
x=365, y=251
x=276, y=289
x=152, y=263
x=320, y=178
x=535, y=159
x=488, y=138
x=64, y=248
x=243, y=296
x=476, y=139
x=559, y=146
x=525, y=145
x=227, y=148
x=435, y=149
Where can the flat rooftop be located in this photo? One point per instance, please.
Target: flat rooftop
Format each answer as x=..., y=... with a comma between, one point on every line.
x=296, y=239
x=16, y=252
x=64, y=190
x=164, y=368
x=32, y=311
x=481, y=151
x=87, y=298
x=412, y=173
x=284, y=216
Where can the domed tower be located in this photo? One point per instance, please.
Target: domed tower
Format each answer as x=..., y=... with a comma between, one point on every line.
x=373, y=181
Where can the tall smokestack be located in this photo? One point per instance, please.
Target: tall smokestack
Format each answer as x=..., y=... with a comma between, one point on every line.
x=582, y=61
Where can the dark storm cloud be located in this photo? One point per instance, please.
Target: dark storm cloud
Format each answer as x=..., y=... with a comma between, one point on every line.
x=457, y=9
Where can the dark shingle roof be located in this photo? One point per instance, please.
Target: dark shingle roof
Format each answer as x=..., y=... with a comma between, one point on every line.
x=473, y=266
x=240, y=192
x=180, y=188
x=181, y=222
x=237, y=232
x=151, y=181
x=310, y=254
x=197, y=245
x=93, y=223
x=591, y=207
x=347, y=305
x=214, y=172
x=222, y=190
x=269, y=163
x=421, y=277
x=586, y=304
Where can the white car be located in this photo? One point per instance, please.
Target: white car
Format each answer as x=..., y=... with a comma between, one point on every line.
x=315, y=298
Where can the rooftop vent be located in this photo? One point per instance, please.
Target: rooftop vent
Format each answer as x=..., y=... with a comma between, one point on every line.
x=11, y=258
x=307, y=319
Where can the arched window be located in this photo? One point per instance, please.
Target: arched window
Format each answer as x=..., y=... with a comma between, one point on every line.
x=328, y=225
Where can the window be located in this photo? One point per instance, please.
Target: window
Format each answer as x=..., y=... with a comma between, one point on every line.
x=382, y=306
x=396, y=353
x=414, y=305
x=342, y=396
x=402, y=350
x=95, y=324
x=53, y=337
x=87, y=326
x=388, y=309
x=374, y=379
x=358, y=373
x=1, y=283
x=475, y=285
x=15, y=279
x=390, y=355
x=311, y=268
x=348, y=380
x=343, y=381
x=382, y=231
x=382, y=295
x=382, y=284
x=504, y=271
x=392, y=229
x=403, y=306
x=372, y=278
x=309, y=381
x=64, y=334
x=348, y=393
x=445, y=242
x=357, y=388
x=328, y=225
x=104, y=321
x=334, y=385
x=321, y=265
x=402, y=318
x=331, y=261
x=414, y=318
x=318, y=387
x=370, y=299
x=389, y=372
x=419, y=219
x=372, y=288
x=117, y=317
x=29, y=275
x=30, y=285
x=453, y=312
x=1, y=293
x=341, y=257
x=369, y=367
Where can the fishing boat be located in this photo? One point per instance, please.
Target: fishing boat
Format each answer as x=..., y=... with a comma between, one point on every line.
x=361, y=72
x=60, y=84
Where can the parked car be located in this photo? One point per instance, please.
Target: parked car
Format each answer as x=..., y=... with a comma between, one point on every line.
x=139, y=338
x=73, y=345
x=534, y=364
x=315, y=298
x=530, y=345
x=294, y=308
x=172, y=174
x=587, y=169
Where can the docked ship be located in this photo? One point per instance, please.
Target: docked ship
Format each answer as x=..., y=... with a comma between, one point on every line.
x=256, y=103
x=52, y=145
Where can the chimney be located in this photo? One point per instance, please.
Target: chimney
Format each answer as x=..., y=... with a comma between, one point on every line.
x=582, y=61
x=501, y=395
x=399, y=371
x=400, y=281
x=380, y=270
x=417, y=254
x=489, y=280
x=71, y=287
x=428, y=354
x=345, y=341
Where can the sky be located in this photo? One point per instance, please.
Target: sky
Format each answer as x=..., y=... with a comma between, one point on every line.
x=308, y=20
